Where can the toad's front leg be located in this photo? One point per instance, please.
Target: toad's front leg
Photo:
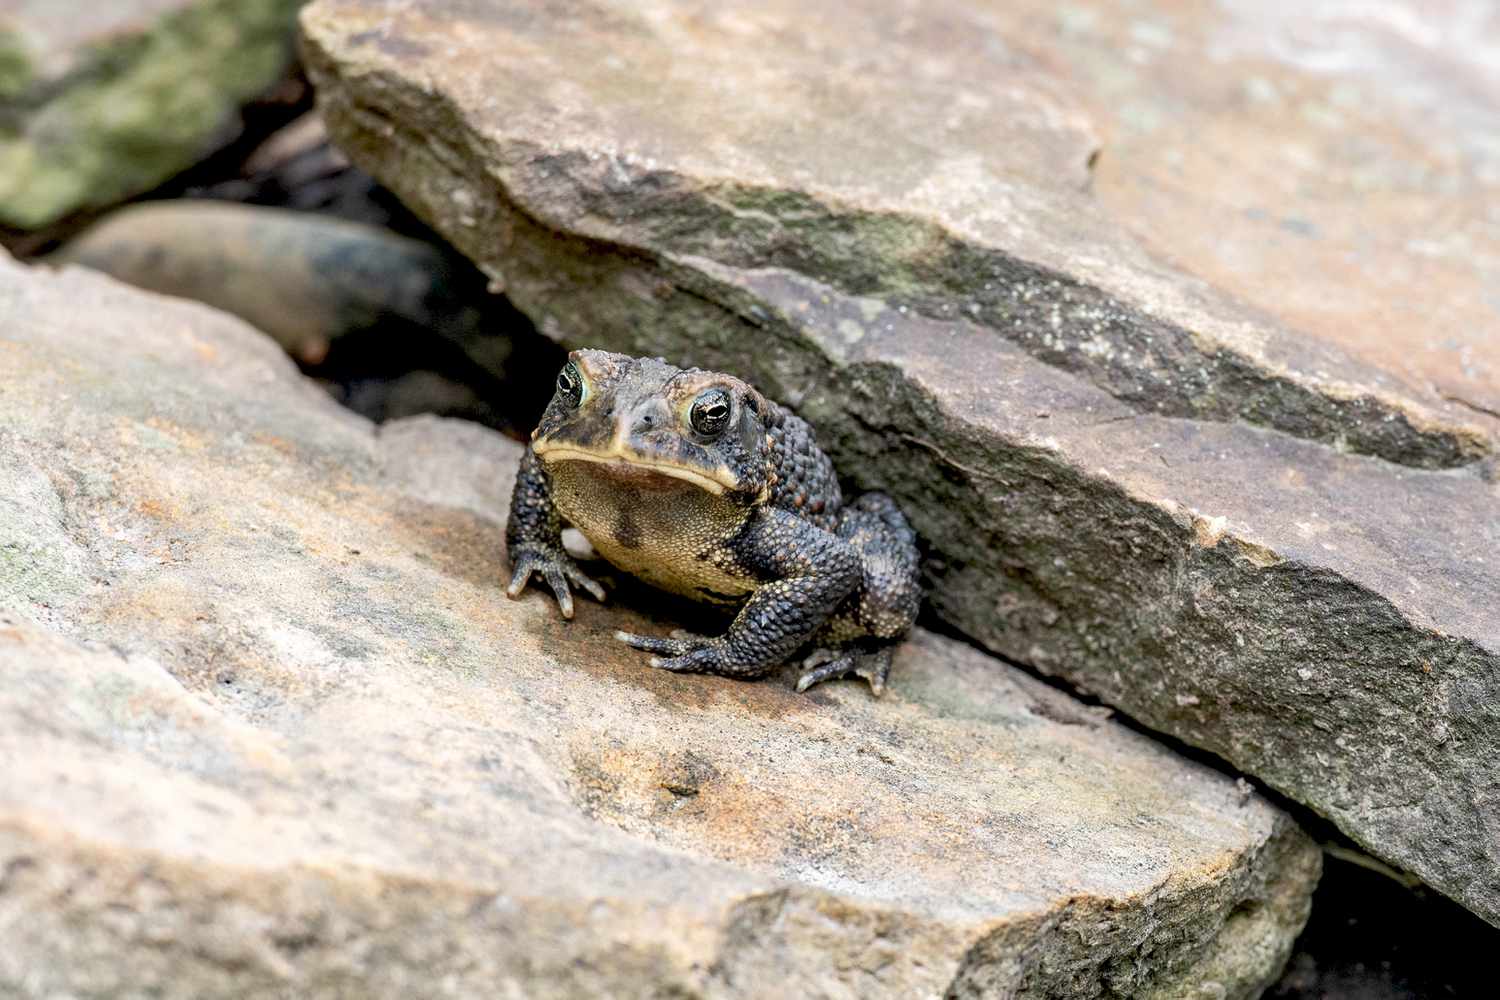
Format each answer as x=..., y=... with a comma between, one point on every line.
x=533, y=539
x=805, y=572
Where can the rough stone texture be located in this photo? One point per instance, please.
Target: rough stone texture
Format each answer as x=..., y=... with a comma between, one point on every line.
x=392, y=325
x=269, y=726
x=95, y=108
x=1126, y=477
x=330, y=277
x=954, y=189
x=1337, y=165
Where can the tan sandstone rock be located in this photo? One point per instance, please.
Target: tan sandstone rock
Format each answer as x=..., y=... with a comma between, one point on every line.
x=1205, y=492
x=269, y=727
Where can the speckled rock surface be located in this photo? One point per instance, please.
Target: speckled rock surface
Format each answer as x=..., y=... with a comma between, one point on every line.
x=96, y=108
x=1336, y=165
x=270, y=726
x=330, y=276
x=1129, y=476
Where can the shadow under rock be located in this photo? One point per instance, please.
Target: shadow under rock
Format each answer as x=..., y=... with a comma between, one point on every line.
x=1371, y=938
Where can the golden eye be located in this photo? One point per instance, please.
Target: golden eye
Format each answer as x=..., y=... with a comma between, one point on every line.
x=570, y=385
x=710, y=412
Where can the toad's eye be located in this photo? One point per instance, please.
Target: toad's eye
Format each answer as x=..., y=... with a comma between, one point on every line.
x=710, y=412
x=570, y=385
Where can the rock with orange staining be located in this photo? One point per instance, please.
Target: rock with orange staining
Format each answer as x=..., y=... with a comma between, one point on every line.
x=270, y=726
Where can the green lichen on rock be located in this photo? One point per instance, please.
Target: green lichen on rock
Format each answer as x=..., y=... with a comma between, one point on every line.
x=130, y=109
x=15, y=65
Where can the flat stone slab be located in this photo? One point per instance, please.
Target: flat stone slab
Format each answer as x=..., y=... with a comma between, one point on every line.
x=102, y=101
x=269, y=725
x=1337, y=166
x=1127, y=476
x=956, y=190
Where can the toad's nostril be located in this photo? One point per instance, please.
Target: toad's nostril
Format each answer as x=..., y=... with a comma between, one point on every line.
x=644, y=422
x=647, y=418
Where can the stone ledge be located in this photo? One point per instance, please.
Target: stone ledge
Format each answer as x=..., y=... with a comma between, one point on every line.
x=273, y=725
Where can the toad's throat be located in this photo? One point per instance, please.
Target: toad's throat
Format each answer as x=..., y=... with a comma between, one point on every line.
x=634, y=470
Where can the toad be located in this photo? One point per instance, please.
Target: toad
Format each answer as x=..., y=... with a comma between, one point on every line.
x=697, y=484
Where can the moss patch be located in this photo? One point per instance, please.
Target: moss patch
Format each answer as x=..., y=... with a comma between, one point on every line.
x=135, y=110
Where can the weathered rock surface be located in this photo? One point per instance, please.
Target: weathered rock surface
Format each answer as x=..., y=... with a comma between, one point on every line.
x=268, y=724
x=1335, y=165
x=330, y=277
x=95, y=108
x=1237, y=532
x=392, y=325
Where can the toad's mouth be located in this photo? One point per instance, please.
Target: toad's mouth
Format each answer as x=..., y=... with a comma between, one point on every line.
x=635, y=471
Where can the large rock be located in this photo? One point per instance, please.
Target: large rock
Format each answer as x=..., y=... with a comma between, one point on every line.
x=99, y=105
x=270, y=726
x=1337, y=165
x=1238, y=532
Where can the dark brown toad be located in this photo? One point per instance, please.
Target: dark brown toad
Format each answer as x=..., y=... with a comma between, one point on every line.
x=694, y=482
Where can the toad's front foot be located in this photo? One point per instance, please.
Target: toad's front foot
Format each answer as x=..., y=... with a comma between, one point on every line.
x=555, y=567
x=874, y=665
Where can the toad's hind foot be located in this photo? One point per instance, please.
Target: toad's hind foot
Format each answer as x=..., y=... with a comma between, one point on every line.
x=679, y=644
x=683, y=653
x=874, y=665
x=687, y=653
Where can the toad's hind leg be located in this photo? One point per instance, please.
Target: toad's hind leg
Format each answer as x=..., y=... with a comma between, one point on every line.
x=872, y=662
x=858, y=638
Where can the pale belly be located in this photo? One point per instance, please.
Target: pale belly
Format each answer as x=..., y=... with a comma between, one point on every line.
x=659, y=529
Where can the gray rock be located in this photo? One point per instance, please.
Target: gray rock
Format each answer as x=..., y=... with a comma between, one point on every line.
x=396, y=325
x=271, y=727
x=101, y=104
x=1238, y=533
x=297, y=167
x=304, y=279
